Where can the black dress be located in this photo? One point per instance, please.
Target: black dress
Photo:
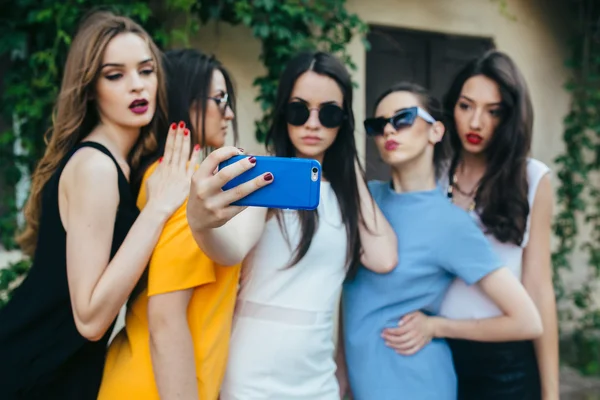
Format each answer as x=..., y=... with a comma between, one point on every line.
x=42, y=355
x=496, y=371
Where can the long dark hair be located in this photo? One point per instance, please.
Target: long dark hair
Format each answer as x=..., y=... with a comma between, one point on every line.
x=339, y=160
x=502, y=195
x=189, y=75
x=430, y=104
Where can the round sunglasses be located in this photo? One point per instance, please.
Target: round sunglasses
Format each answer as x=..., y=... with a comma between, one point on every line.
x=330, y=115
x=402, y=118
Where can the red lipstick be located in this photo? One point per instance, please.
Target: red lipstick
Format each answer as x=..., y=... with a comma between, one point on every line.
x=474, y=138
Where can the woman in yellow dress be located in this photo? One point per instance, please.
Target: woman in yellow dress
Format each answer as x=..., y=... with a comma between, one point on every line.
x=176, y=336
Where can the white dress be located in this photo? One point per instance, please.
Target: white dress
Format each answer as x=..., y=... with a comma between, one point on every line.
x=282, y=342
x=469, y=302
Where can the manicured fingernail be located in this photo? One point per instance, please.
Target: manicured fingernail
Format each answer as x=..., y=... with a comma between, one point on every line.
x=173, y=125
x=186, y=132
x=252, y=159
x=268, y=177
x=160, y=160
x=197, y=147
x=181, y=124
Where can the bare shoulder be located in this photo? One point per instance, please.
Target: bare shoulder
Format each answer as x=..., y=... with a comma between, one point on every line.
x=91, y=170
x=544, y=196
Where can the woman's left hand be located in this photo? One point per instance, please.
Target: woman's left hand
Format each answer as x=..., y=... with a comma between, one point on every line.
x=414, y=331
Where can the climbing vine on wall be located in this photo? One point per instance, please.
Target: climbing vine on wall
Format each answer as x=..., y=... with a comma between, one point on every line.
x=578, y=172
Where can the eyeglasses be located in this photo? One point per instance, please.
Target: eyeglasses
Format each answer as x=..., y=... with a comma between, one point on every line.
x=222, y=102
x=403, y=118
x=330, y=115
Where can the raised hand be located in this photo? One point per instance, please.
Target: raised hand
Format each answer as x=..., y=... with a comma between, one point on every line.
x=169, y=184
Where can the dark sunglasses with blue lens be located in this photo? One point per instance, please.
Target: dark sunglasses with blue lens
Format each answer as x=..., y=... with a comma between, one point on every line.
x=402, y=118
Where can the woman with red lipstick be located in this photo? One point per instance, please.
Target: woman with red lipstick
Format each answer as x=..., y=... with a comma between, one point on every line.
x=89, y=242
x=282, y=344
x=510, y=197
x=176, y=335
x=436, y=243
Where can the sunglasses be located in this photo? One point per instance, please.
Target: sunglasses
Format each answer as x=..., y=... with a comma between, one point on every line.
x=330, y=115
x=222, y=102
x=403, y=118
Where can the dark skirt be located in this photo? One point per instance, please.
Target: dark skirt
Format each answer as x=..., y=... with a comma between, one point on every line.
x=496, y=371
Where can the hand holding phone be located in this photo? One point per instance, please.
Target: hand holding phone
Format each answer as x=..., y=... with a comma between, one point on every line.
x=208, y=205
x=297, y=186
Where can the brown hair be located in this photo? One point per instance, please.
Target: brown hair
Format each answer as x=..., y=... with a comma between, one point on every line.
x=75, y=114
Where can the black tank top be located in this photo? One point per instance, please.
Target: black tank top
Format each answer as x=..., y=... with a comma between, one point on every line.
x=42, y=355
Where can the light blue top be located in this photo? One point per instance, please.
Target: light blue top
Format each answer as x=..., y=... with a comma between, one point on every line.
x=437, y=241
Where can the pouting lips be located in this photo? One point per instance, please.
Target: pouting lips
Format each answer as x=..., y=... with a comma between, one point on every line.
x=138, y=103
x=474, y=138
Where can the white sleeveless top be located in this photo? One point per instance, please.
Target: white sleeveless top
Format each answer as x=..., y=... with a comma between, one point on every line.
x=315, y=282
x=469, y=302
x=282, y=342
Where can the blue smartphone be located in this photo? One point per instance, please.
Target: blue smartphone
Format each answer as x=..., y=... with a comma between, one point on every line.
x=297, y=184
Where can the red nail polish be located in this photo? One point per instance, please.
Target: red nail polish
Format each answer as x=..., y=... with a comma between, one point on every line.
x=197, y=147
x=186, y=132
x=181, y=124
x=173, y=126
x=268, y=177
x=252, y=160
x=160, y=160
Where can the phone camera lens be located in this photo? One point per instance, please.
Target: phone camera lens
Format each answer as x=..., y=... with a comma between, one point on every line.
x=315, y=170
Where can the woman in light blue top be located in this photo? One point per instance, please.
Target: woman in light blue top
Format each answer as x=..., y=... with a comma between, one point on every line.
x=437, y=242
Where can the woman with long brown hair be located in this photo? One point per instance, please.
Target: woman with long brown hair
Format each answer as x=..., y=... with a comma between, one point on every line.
x=89, y=242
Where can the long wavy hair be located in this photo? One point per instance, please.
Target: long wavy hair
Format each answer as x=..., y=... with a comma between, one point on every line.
x=188, y=75
x=339, y=160
x=502, y=195
x=75, y=113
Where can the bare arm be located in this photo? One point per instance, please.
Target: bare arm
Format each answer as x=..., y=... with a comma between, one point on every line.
x=520, y=319
x=224, y=232
x=98, y=287
x=537, y=279
x=378, y=239
x=230, y=243
x=171, y=345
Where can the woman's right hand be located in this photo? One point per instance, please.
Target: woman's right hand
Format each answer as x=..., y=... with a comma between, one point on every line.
x=208, y=205
x=169, y=184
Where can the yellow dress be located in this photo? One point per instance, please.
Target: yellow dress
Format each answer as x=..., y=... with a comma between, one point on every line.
x=176, y=264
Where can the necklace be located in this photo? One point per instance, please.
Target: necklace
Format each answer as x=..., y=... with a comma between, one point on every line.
x=453, y=184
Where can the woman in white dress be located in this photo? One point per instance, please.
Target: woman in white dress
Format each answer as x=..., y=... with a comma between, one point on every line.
x=294, y=262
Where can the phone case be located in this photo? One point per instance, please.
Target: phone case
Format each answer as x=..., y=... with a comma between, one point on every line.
x=296, y=185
